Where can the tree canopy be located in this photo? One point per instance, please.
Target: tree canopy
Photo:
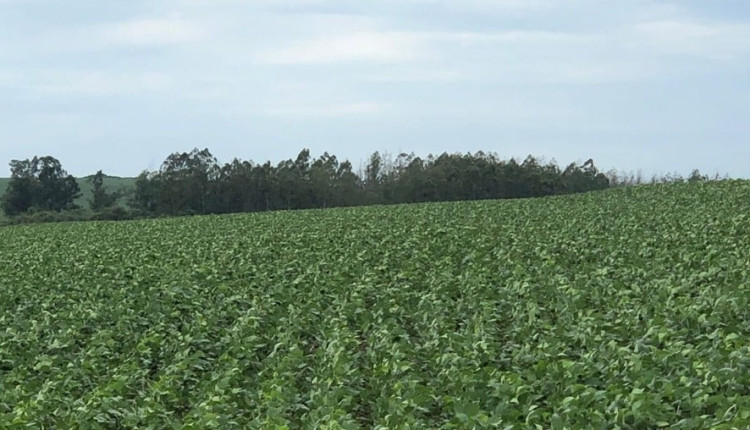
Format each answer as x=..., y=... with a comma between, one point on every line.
x=194, y=182
x=39, y=184
x=100, y=198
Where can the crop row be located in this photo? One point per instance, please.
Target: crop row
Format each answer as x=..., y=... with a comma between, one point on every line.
x=626, y=308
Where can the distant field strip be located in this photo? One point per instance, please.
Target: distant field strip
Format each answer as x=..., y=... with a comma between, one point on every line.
x=628, y=307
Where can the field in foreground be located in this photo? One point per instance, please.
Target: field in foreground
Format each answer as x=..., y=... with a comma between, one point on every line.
x=626, y=308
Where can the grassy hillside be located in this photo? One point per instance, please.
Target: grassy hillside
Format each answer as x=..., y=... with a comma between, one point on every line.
x=111, y=183
x=626, y=308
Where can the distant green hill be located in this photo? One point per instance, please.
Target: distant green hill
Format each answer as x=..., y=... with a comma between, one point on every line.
x=111, y=183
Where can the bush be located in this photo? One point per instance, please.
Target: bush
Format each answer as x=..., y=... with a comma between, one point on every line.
x=114, y=213
x=37, y=217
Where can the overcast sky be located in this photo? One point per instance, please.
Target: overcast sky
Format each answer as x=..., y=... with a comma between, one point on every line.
x=119, y=85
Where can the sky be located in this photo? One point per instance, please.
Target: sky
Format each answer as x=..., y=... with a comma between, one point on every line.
x=661, y=86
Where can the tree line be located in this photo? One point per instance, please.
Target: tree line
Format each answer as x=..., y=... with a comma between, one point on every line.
x=196, y=183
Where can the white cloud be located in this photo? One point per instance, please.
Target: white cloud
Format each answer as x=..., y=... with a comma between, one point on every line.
x=163, y=31
x=398, y=46
x=512, y=57
x=6, y=77
x=712, y=40
x=417, y=75
x=376, y=47
x=104, y=37
x=325, y=110
x=531, y=36
x=93, y=83
x=488, y=5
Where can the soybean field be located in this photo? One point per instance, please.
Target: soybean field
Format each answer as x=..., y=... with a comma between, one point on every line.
x=626, y=308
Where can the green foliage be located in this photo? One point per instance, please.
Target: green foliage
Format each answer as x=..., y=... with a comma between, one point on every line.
x=626, y=308
x=113, y=213
x=36, y=217
x=695, y=176
x=100, y=198
x=194, y=183
x=121, y=187
x=40, y=184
